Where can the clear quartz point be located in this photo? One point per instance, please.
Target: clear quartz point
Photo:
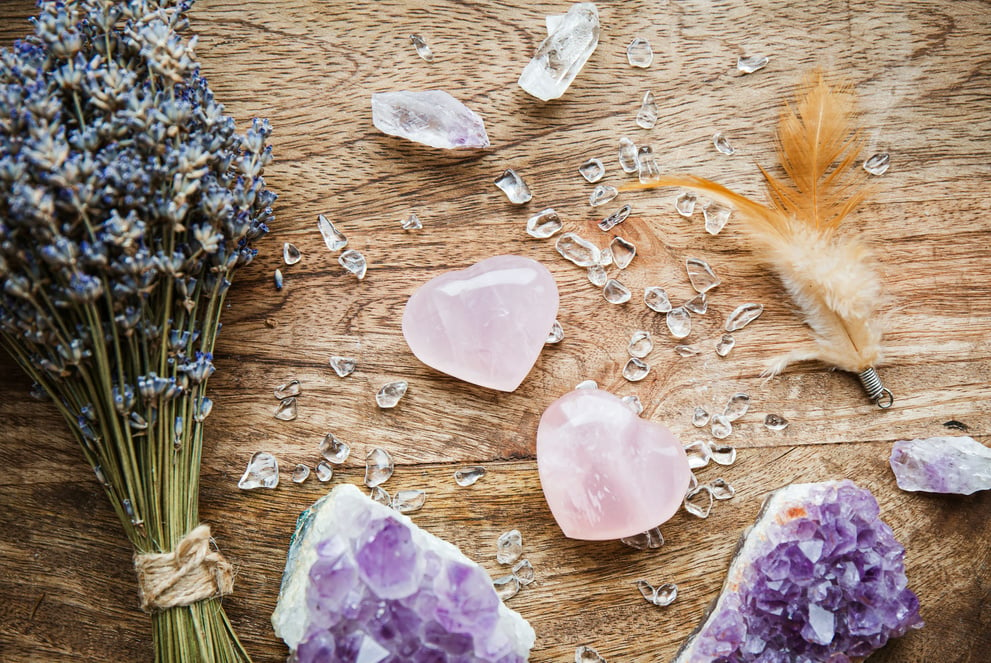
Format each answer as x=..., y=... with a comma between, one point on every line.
x=628, y=159
x=543, y=224
x=343, y=366
x=412, y=222
x=586, y=654
x=570, y=41
x=408, y=501
x=262, y=472
x=720, y=426
x=698, y=501
x=287, y=390
x=300, y=473
x=511, y=184
x=751, y=63
x=287, y=409
x=506, y=587
x=354, y=262
x=380, y=495
x=878, y=164
x=725, y=345
x=640, y=344
x=556, y=334
x=662, y=595
x=639, y=53
x=615, y=218
x=324, y=471
x=716, y=216
x=698, y=453
x=332, y=237
x=679, y=322
x=422, y=48
x=722, y=144
x=656, y=299
x=737, y=406
x=623, y=252
x=700, y=417
x=649, y=170
x=775, y=422
x=509, y=547
x=597, y=275
x=697, y=304
x=602, y=194
x=391, y=393
x=523, y=571
x=647, y=115
x=721, y=453
x=684, y=204
x=592, y=170
x=721, y=490
x=334, y=450
x=468, y=476
x=701, y=275
x=290, y=254
x=379, y=466
x=635, y=370
x=649, y=540
x=615, y=292
x=578, y=250
x=743, y=315
x=587, y=384
x=633, y=402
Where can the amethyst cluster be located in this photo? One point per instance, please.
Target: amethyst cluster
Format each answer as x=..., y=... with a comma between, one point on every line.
x=364, y=584
x=819, y=577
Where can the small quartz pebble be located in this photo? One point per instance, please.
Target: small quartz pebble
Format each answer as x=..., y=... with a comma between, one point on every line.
x=701, y=275
x=700, y=417
x=634, y=403
x=523, y=571
x=511, y=184
x=640, y=344
x=556, y=334
x=381, y=496
x=649, y=540
x=391, y=393
x=628, y=160
x=649, y=170
x=751, y=63
x=412, y=222
x=468, y=476
x=287, y=409
x=506, y=587
x=379, y=467
x=635, y=370
x=679, y=322
x=606, y=257
x=602, y=194
x=716, y=217
x=687, y=350
x=698, y=501
x=592, y=170
x=262, y=472
x=661, y=595
x=422, y=48
x=615, y=292
x=623, y=252
x=656, y=299
x=578, y=250
x=721, y=490
x=324, y=471
x=615, y=218
x=300, y=473
x=639, y=53
x=509, y=547
x=720, y=426
x=647, y=115
x=334, y=450
x=743, y=315
x=544, y=224
x=586, y=654
x=721, y=143
x=290, y=254
x=354, y=262
x=737, y=406
x=684, y=204
x=775, y=422
x=332, y=237
x=725, y=345
x=959, y=465
x=408, y=501
x=722, y=454
x=287, y=390
x=278, y=279
x=587, y=384
x=698, y=453
x=878, y=164
x=343, y=366
x=597, y=275
x=429, y=117
x=698, y=304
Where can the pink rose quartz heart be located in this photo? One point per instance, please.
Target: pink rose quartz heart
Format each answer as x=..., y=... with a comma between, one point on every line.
x=486, y=324
x=607, y=473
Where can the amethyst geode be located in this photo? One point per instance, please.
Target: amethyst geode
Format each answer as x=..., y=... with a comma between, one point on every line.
x=818, y=577
x=363, y=584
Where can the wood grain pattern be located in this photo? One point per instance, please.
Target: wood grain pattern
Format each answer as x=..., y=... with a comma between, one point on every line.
x=922, y=70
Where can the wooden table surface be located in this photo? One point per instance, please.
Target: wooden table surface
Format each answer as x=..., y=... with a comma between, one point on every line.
x=923, y=71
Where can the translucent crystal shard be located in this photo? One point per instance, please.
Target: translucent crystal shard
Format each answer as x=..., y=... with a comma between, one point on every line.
x=628, y=159
x=635, y=370
x=578, y=250
x=698, y=453
x=737, y=406
x=721, y=490
x=422, y=48
x=563, y=53
x=634, y=403
x=343, y=366
x=656, y=299
x=721, y=143
x=287, y=390
x=679, y=322
x=687, y=350
x=662, y=595
x=586, y=654
x=511, y=184
x=354, y=262
x=431, y=117
x=640, y=344
x=380, y=495
x=647, y=115
x=412, y=222
x=751, y=63
x=605, y=257
x=587, y=384
x=775, y=422
x=506, y=587
x=960, y=465
x=287, y=409
x=639, y=53
x=649, y=540
x=300, y=473
x=597, y=275
x=262, y=472
x=556, y=334
x=333, y=449
x=324, y=471
x=379, y=466
x=509, y=547
x=648, y=170
x=743, y=315
x=602, y=194
x=878, y=164
x=523, y=571
x=615, y=292
x=615, y=218
x=716, y=216
x=684, y=204
x=623, y=252
x=391, y=393
x=408, y=501
x=701, y=275
x=722, y=454
x=543, y=224
x=700, y=417
x=468, y=476
x=332, y=237
x=698, y=501
x=592, y=170
x=725, y=345
x=720, y=426
x=290, y=254
x=698, y=304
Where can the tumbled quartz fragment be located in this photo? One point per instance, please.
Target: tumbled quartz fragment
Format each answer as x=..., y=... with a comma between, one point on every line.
x=543, y=224
x=287, y=409
x=775, y=422
x=821, y=550
x=736, y=406
x=720, y=426
x=722, y=454
x=430, y=117
x=656, y=299
x=602, y=194
x=592, y=170
x=606, y=257
x=343, y=366
x=679, y=322
x=878, y=164
x=354, y=262
x=523, y=571
x=649, y=540
x=647, y=115
x=509, y=547
x=412, y=222
x=716, y=216
x=635, y=370
x=698, y=304
x=743, y=315
x=960, y=465
x=700, y=417
x=300, y=473
x=662, y=595
x=751, y=63
x=468, y=476
x=698, y=501
x=408, y=501
x=586, y=654
x=287, y=390
x=639, y=53
x=324, y=471
x=556, y=334
x=563, y=53
x=701, y=275
x=687, y=350
x=623, y=252
x=380, y=495
x=722, y=144
x=364, y=583
x=640, y=344
x=506, y=587
x=597, y=275
x=391, y=393
x=290, y=254
x=633, y=402
x=721, y=490
x=578, y=250
x=698, y=453
x=379, y=467
x=334, y=450
x=649, y=170
x=332, y=237
x=511, y=184
x=422, y=48
x=725, y=345
x=615, y=218
x=628, y=159
x=615, y=292
x=684, y=204
x=262, y=472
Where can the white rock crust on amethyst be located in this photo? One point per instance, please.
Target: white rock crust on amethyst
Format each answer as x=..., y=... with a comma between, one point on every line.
x=364, y=583
x=960, y=465
x=430, y=117
x=570, y=42
x=818, y=577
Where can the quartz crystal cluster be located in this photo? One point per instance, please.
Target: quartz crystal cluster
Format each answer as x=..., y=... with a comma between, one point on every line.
x=819, y=577
x=570, y=41
x=959, y=465
x=430, y=117
x=363, y=583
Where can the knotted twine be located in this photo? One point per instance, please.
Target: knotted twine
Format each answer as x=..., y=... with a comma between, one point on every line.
x=192, y=572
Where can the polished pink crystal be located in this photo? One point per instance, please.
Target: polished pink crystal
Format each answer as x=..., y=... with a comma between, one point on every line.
x=486, y=324
x=607, y=473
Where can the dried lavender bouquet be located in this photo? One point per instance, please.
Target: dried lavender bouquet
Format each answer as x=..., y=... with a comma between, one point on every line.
x=127, y=202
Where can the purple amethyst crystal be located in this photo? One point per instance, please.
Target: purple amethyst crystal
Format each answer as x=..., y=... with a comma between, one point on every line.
x=364, y=584
x=818, y=577
x=959, y=465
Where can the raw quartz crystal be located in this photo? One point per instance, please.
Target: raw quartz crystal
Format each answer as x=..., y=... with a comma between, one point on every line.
x=578, y=250
x=602, y=194
x=570, y=41
x=364, y=583
x=743, y=315
x=960, y=465
x=615, y=292
x=878, y=164
x=354, y=262
x=556, y=334
x=701, y=275
x=818, y=577
x=422, y=48
x=716, y=216
x=430, y=117
x=751, y=63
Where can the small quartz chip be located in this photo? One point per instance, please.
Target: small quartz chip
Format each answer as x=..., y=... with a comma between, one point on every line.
x=700, y=417
x=556, y=335
x=775, y=422
x=716, y=217
x=698, y=453
x=506, y=587
x=698, y=304
x=287, y=409
x=737, y=406
x=602, y=194
x=408, y=501
x=429, y=117
x=623, y=252
x=586, y=654
x=334, y=450
x=422, y=48
x=721, y=490
x=684, y=204
x=543, y=224
x=649, y=540
x=391, y=393
x=649, y=169
x=639, y=53
x=640, y=344
x=592, y=170
x=300, y=473
x=628, y=159
x=324, y=471
x=720, y=426
x=615, y=218
x=615, y=292
x=509, y=547
x=511, y=184
x=647, y=115
x=743, y=315
x=354, y=262
x=751, y=63
x=656, y=299
x=578, y=250
x=379, y=467
x=597, y=275
x=381, y=496
x=701, y=275
x=343, y=366
x=687, y=350
x=634, y=403
x=287, y=390
x=412, y=222
x=587, y=384
x=290, y=254
x=722, y=454
x=468, y=476
x=698, y=501
x=262, y=472
x=679, y=322
x=725, y=345
x=661, y=595
x=635, y=370
x=721, y=143
x=878, y=164
x=523, y=571
x=332, y=237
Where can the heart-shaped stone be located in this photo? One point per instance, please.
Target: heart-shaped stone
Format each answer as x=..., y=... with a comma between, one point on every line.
x=607, y=473
x=486, y=324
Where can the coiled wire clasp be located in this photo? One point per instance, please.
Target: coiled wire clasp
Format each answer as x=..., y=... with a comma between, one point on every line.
x=875, y=390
